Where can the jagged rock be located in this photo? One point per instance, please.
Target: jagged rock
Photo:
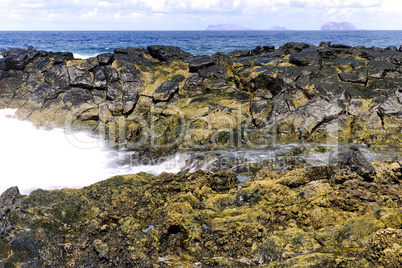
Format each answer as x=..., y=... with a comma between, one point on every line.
x=359, y=76
x=6, y=64
x=58, y=76
x=103, y=75
x=130, y=99
x=200, y=62
x=9, y=197
x=43, y=93
x=216, y=71
x=164, y=53
x=166, y=91
x=114, y=90
x=351, y=157
x=306, y=57
x=76, y=97
x=131, y=51
x=275, y=92
x=293, y=47
x=105, y=59
x=394, y=57
x=194, y=85
x=79, y=77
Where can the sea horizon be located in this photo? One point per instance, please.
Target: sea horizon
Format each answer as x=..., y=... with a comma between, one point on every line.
x=201, y=42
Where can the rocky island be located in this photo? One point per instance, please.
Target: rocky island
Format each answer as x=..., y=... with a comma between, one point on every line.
x=159, y=100
x=338, y=26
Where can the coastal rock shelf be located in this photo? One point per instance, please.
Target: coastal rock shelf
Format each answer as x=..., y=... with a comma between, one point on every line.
x=155, y=101
x=324, y=216
x=163, y=99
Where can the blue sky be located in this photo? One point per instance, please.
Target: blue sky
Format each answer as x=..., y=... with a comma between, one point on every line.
x=196, y=15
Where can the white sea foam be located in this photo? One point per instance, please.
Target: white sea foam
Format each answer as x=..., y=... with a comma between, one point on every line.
x=32, y=158
x=83, y=57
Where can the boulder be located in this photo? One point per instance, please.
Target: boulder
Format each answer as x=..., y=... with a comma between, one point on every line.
x=194, y=85
x=164, y=53
x=166, y=91
x=80, y=77
x=114, y=91
x=394, y=57
x=392, y=105
x=131, y=51
x=105, y=58
x=58, y=76
x=200, y=62
x=75, y=97
x=215, y=71
x=9, y=197
x=350, y=157
x=306, y=57
x=104, y=75
x=293, y=47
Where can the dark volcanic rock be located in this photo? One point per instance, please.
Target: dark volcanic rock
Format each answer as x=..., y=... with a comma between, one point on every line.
x=349, y=156
x=79, y=77
x=58, y=76
x=394, y=57
x=131, y=51
x=166, y=91
x=297, y=90
x=9, y=197
x=164, y=53
x=200, y=62
x=306, y=57
x=105, y=59
x=75, y=97
x=216, y=71
x=194, y=86
x=293, y=47
x=103, y=75
x=393, y=104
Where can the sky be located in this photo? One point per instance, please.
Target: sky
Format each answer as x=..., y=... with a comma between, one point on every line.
x=196, y=14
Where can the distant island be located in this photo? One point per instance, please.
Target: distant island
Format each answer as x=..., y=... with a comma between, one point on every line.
x=227, y=27
x=278, y=28
x=338, y=26
x=236, y=27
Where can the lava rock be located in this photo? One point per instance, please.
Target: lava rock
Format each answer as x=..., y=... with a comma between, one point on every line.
x=10, y=196
x=164, y=53
x=166, y=91
x=350, y=157
x=216, y=71
x=293, y=47
x=200, y=62
x=105, y=58
x=306, y=57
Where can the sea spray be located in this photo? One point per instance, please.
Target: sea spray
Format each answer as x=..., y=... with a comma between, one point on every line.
x=33, y=158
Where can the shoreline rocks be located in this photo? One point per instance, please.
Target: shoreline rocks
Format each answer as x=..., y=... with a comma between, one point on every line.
x=162, y=98
x=306, y=217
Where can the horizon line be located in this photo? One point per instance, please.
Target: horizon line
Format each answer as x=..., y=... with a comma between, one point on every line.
x=182, y=30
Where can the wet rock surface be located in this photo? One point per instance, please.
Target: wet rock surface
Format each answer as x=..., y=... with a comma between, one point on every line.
x=161, y=99
x=319, y=216
x=143, y=97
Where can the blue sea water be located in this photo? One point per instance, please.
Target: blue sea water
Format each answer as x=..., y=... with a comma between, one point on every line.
x=90, y=43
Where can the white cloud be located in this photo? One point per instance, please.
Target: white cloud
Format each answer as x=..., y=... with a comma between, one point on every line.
x=248, y=12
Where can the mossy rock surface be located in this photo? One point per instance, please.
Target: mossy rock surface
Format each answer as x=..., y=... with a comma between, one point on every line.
x=306, y=217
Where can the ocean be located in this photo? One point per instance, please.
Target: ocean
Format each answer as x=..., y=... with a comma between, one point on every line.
x=91, y=43
x=33, y=158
